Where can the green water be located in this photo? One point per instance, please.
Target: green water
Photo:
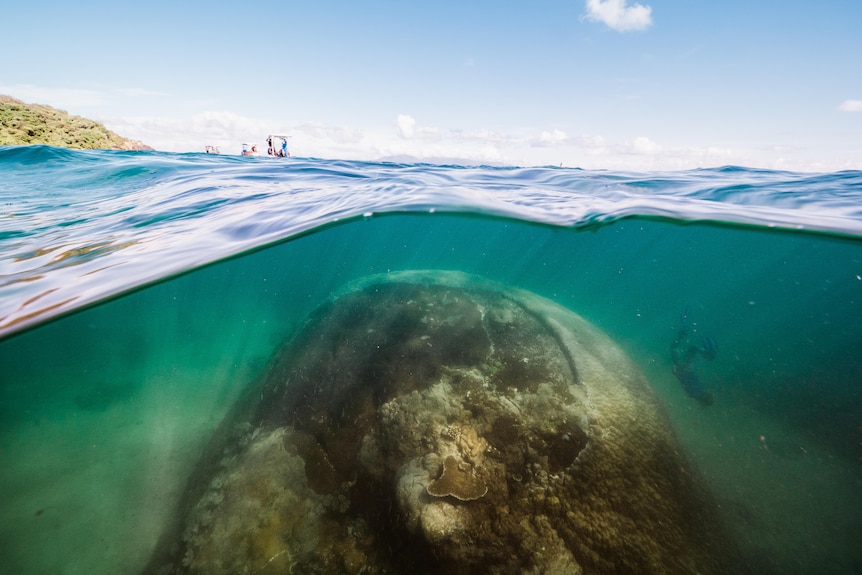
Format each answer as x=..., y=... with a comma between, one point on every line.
x=103, y=413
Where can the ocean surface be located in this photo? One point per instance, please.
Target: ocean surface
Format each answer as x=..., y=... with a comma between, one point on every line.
x=142, y=292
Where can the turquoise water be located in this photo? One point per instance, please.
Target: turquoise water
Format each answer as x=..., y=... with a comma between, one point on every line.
x=142, y=292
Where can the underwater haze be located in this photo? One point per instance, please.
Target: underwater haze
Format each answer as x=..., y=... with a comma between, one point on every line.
x=145, y=298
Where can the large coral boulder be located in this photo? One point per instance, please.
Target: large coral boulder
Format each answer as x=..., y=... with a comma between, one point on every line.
x=430, y=422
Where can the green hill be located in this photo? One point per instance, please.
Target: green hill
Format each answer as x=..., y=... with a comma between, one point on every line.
x=24, y=124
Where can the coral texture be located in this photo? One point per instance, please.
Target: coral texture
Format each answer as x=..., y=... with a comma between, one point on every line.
x=429, y=422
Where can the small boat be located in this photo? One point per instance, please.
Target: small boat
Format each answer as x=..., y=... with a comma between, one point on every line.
x=277, y=146
x=249, y=150
x=212, y=150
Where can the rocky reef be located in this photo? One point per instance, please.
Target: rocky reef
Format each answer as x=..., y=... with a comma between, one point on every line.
x=430, y=422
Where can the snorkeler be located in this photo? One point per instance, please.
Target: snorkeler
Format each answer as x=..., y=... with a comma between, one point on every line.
x=683, y=353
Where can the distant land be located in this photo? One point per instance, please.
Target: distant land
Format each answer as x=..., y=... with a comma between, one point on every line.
x=24, y=124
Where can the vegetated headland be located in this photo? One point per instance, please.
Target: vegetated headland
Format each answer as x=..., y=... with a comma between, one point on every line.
x=23, y=124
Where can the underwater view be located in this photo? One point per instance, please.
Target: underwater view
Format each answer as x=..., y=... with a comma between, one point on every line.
x=249, y=365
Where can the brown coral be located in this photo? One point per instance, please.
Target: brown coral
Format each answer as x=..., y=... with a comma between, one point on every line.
x=451, y=426
x=458, y=481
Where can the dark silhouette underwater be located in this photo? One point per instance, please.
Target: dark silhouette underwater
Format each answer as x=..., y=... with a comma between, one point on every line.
x=684, y=352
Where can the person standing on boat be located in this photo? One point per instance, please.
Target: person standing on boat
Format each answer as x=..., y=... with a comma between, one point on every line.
x=284, y=152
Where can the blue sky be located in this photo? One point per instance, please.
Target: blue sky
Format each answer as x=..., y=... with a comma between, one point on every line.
x=659, y=84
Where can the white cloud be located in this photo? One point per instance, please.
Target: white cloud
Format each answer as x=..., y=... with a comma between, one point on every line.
x=224, y=129
x=549, y=147
x=484, y=136
x=645, y=146
x=851, y=106
x=596, y=144
x=617, y=14
x=410, y=139
x=405, y=125
x=551, y=139
x=326, y=132
x=409, y=130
